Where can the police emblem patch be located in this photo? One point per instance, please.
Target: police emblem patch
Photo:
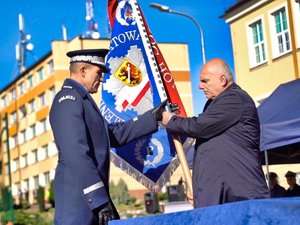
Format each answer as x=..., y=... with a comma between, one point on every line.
x=124, y=14
x=66, y=97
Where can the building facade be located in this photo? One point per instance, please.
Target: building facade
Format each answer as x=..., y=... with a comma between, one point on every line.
x=266, y=48
x=266, y=41
x=26, y=102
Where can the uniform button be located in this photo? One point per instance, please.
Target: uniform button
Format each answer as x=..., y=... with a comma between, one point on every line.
x=90, y=200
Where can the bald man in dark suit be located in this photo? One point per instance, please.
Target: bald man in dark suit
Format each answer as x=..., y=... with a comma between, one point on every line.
x=226, y=166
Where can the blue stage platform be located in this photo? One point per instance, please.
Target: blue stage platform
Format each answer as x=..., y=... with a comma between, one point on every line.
x=285, y=211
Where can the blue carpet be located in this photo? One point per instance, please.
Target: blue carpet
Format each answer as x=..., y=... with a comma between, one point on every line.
x=285, y=211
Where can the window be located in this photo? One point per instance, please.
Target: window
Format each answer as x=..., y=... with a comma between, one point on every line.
x=52, y=92
x=4, y=101
x=14, y=165
x=44, y=125
x=13, y=141
x=41, y=154
x=51, y=67
x=46, y=150
x=52, y=150
x=42, y=98
x=30, y=81
x=256, y=43
x=41, y=74
x=31, y=106
x=47, y=179
x=22, y=88
x=22, y=137
x=280, y=33
x=32, y=131
x=13, y=117
x=13, y=94
x=25, y=188
x=36, y=182
x=23, y=161
x=48, y=125
x=22, y=111
x=34, y=156
x=31, y=157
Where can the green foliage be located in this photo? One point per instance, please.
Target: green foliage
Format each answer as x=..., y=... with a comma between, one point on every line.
x=119, y=193
x=31, y=218
x=41, y=199
x=51, y=194
x=6, y=205
x=162, y=196
x=5, y=199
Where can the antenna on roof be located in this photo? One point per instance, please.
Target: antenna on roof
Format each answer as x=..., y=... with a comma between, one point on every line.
x=92, y=26
x=64, y=32
x=23, y=45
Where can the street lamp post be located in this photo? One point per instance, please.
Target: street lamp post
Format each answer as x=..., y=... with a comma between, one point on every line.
x=167, y=9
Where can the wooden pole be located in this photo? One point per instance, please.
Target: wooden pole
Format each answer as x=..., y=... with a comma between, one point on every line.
x=184, y=165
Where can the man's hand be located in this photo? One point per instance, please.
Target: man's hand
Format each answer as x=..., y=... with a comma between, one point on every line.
x=174, y=108
x=166, y=116
x=158, y=110
x=106, y=214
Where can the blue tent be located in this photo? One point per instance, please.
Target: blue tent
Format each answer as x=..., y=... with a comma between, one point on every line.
x=279, y=117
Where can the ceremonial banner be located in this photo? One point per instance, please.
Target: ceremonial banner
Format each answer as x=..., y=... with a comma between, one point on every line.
x=136, y=84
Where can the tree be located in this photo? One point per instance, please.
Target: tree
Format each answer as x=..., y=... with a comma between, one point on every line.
x=123, y=195
x=51, y=194
x=41, y=199
x=119, y=193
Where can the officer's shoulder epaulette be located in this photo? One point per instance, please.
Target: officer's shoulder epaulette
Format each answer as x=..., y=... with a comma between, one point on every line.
x=67, y=87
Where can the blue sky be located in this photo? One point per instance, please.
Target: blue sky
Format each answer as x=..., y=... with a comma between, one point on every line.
x=44, y=19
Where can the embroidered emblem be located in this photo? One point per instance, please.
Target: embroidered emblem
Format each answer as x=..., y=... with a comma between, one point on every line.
x=66, y=97
x=129, y=74
x=124, y=14
x=130, y=84
x=149, y=152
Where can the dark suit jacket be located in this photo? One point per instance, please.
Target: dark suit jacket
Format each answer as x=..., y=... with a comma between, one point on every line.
x=226, y=165
x=294, y=192
x=83, y=140
x=278, y=191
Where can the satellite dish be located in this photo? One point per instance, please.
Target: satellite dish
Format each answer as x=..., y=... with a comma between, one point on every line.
x=29, y=47
x=95, y=35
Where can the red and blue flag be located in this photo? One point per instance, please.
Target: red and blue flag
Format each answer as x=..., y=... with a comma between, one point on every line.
x=139, y=80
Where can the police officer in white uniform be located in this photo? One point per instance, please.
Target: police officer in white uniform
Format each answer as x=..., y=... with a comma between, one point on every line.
x=83, y=140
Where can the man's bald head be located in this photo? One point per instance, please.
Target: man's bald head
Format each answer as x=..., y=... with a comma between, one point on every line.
x=218, y=66
x=215, y=77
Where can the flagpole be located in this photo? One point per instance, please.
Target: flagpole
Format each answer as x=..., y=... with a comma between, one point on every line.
x=183, y=162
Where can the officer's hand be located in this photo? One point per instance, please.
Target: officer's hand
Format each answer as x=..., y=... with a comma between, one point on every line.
x=174, y=108
x=158, y=110
x=106, y=214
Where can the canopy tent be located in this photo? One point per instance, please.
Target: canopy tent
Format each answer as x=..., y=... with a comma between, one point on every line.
x=279, y=117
